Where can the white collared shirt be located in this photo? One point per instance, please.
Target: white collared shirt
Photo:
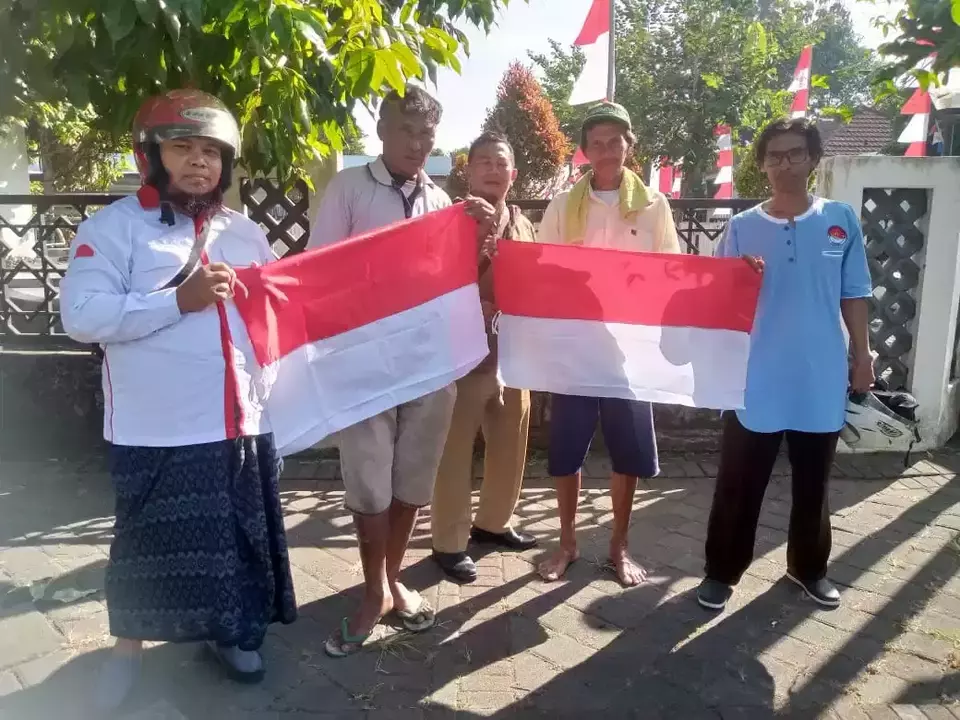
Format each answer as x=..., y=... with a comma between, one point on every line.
x=164, y=372
x=651, y=230
x=361, y=199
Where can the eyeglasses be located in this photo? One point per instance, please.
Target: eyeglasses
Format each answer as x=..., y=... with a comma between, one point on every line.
x=794, y=156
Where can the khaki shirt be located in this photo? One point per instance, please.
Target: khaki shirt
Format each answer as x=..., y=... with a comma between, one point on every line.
x=519, y=228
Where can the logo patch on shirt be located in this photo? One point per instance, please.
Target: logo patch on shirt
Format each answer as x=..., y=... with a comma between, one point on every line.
x=837, y=235
x=83, y=251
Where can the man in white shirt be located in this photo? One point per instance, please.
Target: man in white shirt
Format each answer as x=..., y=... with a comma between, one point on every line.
x=389, y=462
x=609, y=208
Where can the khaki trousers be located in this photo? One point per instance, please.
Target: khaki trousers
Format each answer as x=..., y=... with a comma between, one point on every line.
x=505, y=430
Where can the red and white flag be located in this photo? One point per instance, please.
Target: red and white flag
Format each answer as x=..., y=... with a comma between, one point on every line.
x=604, y=323
x=801, y=84
x=666, y=177
x=364, y=325
x=916, y=133
x=594, y=40
x=724, y=179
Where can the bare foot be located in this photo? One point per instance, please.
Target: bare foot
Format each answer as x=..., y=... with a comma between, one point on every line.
x=405, y=600
x=416, y=614
x=556, y=564
x=371, y=610
x=628, y=571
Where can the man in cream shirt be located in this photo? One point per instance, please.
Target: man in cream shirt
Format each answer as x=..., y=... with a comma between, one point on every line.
x=609, y=208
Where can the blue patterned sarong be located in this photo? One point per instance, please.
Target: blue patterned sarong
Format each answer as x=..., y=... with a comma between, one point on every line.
x=199, y=551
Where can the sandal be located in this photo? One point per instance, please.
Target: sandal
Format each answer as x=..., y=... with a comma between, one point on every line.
x=342, y=643
x=419, y=620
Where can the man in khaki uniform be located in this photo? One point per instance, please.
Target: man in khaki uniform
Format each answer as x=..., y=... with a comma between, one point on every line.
x=502, y=413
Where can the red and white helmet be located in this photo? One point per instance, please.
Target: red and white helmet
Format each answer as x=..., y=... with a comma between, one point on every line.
x=178, y=114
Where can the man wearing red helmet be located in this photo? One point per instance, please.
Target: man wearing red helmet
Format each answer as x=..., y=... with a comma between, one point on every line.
x=199, y=552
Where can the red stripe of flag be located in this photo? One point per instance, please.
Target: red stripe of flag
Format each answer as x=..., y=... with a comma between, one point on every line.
x=578, y=283
x=918, y=104
x=596, y=24
x=725, y=158
x=322, y=293
x=724, y=192
x=800, y=101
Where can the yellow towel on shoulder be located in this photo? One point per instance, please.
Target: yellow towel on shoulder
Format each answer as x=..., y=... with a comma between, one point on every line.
x=634, y=197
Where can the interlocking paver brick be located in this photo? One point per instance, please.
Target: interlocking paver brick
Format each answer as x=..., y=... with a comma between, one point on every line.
x=512, y=646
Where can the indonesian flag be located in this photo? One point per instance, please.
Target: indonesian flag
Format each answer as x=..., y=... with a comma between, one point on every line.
x=666, y=177
x=801, y=84
x=594, y=39
x=364, y=325
x=642, y=326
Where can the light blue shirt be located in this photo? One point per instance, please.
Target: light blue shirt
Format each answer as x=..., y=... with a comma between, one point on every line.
x=797, y=375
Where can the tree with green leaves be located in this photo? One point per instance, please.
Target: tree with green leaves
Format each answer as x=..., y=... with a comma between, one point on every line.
x=524, y=115
x=354, y=139
x=291, y=71
x=925, y=42
x=686, y=66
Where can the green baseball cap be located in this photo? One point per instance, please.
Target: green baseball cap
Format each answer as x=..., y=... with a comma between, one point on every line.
x=606, y=112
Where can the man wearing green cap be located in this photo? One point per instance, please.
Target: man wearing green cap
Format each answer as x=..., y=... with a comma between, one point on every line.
x=610, y=207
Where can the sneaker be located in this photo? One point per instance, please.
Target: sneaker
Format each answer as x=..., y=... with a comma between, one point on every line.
x=459, y=566
x=118, y=675
x=713, y=595
x=245, y=666
x=821, y=591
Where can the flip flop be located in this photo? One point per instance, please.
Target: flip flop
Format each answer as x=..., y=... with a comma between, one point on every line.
x=342, y=643
x=419, y=620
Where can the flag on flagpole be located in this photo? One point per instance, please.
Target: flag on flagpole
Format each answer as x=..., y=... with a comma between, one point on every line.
x=666, y=177
x=677, y=181
x=916, y=133
x=594, y=40
x=801, y=84
x=661, y=176
x=640, y=326
x=364, y=325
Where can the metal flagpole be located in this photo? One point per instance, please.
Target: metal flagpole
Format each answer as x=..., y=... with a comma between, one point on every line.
x=612, y=53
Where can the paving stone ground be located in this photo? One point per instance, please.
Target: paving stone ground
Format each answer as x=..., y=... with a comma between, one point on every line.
x=511, y=646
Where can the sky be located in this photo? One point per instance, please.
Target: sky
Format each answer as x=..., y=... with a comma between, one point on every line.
x=523, y=27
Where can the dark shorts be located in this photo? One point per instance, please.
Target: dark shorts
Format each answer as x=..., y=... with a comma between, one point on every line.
x=628, y=433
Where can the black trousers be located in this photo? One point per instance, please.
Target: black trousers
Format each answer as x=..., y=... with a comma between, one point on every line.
x=746, y=463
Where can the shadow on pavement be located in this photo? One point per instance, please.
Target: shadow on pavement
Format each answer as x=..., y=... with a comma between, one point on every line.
x=582, y=647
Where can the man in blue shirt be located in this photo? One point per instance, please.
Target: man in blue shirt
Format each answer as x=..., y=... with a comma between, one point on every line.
x=811, y=253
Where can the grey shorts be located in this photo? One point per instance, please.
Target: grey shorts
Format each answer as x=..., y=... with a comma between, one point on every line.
x=396, y=454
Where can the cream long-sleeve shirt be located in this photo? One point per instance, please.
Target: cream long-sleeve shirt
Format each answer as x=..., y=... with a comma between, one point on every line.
x=650, y=230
